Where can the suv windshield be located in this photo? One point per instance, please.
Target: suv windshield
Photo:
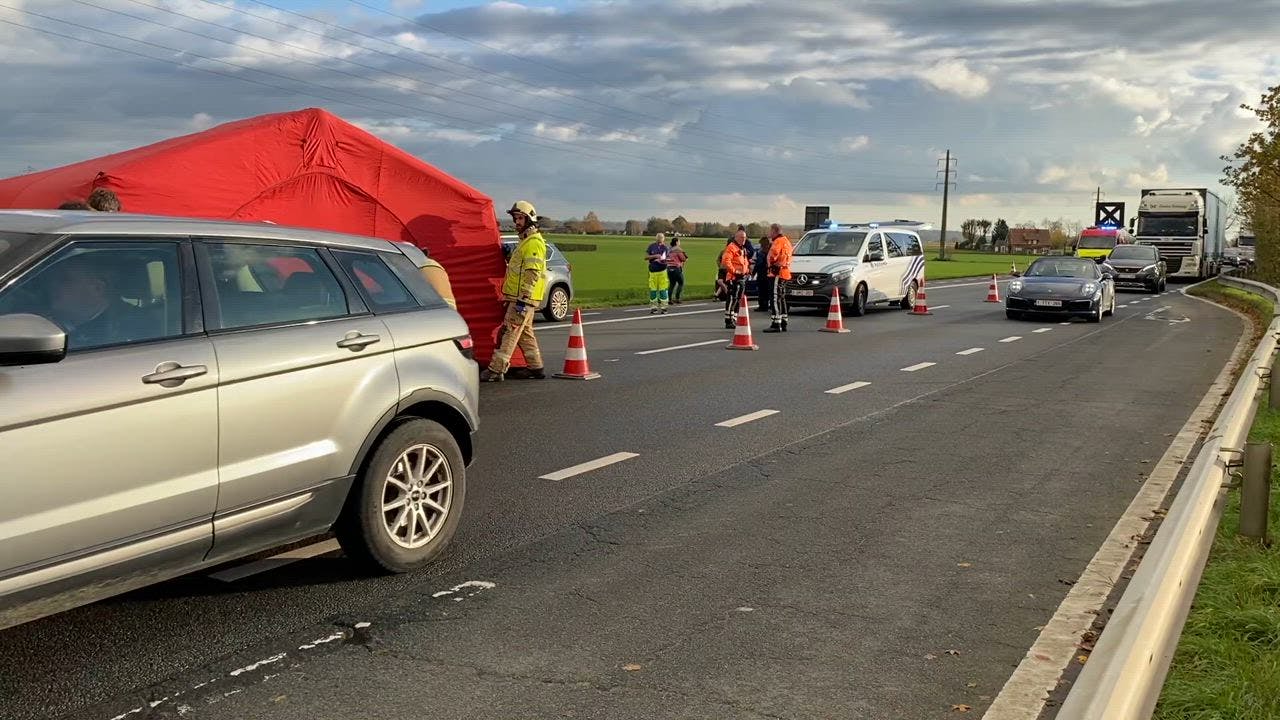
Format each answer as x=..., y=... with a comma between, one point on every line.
x=1097, y=242
x=1134, y=252
x=1247, y=241
x=842, y=244
x=1169, y=225
x=1063, y=267
x=14, y=247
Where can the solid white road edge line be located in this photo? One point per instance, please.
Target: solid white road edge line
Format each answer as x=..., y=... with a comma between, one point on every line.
x=970, y=351
x=1012, y=338
x=566, y=326
x=744, y=419
x=241, y=572
x=1023, y=695
x=589, y=466
x=847, y=388
x=918, y=366
x=681, y=347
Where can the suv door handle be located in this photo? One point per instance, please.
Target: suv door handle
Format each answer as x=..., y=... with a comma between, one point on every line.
x=171, y=374
x=355, y=341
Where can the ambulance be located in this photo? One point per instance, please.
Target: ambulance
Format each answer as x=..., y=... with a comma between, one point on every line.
x=1096, y=243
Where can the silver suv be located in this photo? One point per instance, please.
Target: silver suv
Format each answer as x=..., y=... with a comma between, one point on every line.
x=175, y=394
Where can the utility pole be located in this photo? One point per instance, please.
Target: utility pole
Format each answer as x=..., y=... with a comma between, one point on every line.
x=948, y=168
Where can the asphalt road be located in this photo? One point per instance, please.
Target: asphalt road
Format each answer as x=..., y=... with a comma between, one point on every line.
x=886, y=551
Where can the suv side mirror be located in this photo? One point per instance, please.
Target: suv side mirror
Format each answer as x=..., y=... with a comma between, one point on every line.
x=874, y=256
x=30, y=340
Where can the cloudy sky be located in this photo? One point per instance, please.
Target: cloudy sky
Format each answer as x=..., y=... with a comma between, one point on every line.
x=719, y=109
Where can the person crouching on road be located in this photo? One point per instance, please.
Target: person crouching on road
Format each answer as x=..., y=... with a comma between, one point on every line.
x=522, y=291
x=676, y=259
x=736, y=264
x=779, y=274
x=656, y=254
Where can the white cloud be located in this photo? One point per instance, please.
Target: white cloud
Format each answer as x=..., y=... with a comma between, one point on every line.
x=855, y=143
x=955, y=77
x=201, y=121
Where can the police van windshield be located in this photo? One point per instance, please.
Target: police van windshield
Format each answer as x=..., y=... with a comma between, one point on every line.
x=844, y=243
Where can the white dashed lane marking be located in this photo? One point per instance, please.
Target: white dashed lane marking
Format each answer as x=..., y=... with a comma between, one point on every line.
x=847, y=388
x=683, y=347
x=1041, y=330
x=585, y=467
x=744, y=419
x=970, y=351
x=918, y=366
x=1011, y=338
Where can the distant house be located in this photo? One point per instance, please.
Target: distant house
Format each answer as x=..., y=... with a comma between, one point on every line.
x=1030, y=240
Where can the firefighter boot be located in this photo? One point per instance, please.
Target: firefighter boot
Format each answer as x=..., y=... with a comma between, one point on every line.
x=488, y=375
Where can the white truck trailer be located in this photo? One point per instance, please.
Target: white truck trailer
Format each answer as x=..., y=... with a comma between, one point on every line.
x=1188, y=225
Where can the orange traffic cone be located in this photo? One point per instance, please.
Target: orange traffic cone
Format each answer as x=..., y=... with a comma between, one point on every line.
x=922, y=303
x=835, y=323
x=993, y=291
x=742, y=332
x=575, y=358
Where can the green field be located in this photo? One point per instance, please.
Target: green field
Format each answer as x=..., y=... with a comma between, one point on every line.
x=1227, y=665
x=616, y=273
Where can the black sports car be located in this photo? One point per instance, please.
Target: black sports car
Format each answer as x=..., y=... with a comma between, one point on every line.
x=1074, y=287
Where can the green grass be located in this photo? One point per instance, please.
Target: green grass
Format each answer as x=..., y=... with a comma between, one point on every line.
x=615, y=273
x=1227, y=666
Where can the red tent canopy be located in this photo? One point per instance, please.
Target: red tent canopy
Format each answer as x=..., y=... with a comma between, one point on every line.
x=307, y=169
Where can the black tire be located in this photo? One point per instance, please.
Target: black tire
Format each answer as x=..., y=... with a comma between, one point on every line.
x=557, y=309
x=1012, y=314
x=1111, y=309
x=362, y=530
x=1096, y=315
x=908, y=300
x=858, y=307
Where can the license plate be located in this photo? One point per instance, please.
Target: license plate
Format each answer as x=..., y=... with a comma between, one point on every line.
x=1048, y=303
x=803, y=293
x=1127, y=276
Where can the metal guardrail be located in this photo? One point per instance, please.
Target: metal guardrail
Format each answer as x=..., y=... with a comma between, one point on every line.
x=1127, y=668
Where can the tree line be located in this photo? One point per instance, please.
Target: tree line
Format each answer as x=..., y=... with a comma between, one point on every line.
x=1253, y=170
x=982, y=234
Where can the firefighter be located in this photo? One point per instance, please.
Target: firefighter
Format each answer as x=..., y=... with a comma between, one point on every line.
x=779, y=274
x=736, y=265
x=522, y=291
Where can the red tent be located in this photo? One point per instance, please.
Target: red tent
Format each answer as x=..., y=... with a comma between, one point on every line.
x=308, y=169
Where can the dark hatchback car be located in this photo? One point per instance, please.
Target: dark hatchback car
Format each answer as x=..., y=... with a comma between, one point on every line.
x=1074, y=287
x=1138, y=267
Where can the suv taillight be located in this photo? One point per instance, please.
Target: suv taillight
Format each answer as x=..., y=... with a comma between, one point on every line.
x=465, y=345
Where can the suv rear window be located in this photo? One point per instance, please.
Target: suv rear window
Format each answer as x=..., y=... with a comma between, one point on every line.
x=381, y=287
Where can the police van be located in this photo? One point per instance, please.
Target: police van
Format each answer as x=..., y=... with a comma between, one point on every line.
x=874, y=263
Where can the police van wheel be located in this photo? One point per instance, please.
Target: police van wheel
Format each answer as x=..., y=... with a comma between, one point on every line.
x=909, y=300
x=407, y=501
x=858, y=307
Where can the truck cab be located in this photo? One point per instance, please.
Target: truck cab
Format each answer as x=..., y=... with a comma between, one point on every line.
x=1187, y=225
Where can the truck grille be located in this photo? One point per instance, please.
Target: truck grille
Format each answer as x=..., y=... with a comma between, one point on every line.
x=1172, y=249
x=1173, y=265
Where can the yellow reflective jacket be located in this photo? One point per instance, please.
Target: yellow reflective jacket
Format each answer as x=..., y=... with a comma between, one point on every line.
x=526, y=278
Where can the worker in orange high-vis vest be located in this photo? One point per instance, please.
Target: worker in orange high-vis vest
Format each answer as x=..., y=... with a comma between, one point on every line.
x=736, y=266
x=780, y=271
